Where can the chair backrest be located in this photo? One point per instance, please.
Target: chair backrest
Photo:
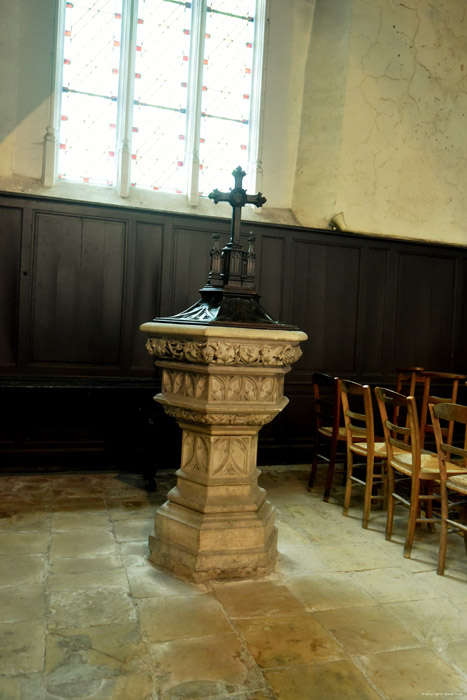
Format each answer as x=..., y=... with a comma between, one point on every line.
x=451, y=413
x=326, y=399
x=407, y=380
x=448, y=384
x=404, y=435
x=355, y=398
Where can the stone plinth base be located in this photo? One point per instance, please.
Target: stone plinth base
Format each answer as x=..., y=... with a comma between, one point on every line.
x=200, y=547
x=221, y=385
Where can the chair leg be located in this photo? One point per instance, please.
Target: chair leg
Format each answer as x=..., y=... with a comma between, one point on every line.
x=348, y=483
x=390, y=515
x=330, y=474
x=413, y=513
x=443, y=538
x=429, y=504
x=314, y=465
x=368, y=491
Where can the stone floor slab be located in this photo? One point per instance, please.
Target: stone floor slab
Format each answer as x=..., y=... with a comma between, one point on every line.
x=256, y=598
x=436, y=620
x=213, y=667
x=64, y=522
x=165, y=619
x=22, y=646
x=413, y=674
x=23, y=568
x=138, y=685
x=24, y=542
x=25, y=602
x=327, y=591
x=82, y=543
x=393, y=584
x=288, y=640
x=366, y=629
x=328, y=681
x=150, y=582
x=92, y=653
x=93, y=606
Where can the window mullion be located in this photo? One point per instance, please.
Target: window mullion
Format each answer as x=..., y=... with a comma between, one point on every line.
x=255, y=163
x=195, y=78
x=125, y=95
x=52, y=134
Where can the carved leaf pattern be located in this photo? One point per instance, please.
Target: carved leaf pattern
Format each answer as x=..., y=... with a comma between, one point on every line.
x=266, y=388
x=178, y=382
x=202, y=452
x=224, y=352
x=166, y=381
x=188, y=450
x=200, y=391
x=230, y=456
x=185, y=414
x=217, y=389
x=251, y=389
x=234, y=388
x=189, y=385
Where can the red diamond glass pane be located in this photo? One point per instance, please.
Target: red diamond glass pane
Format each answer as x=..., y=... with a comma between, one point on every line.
x=227, y=77
x=160, y=98
x=90, y=85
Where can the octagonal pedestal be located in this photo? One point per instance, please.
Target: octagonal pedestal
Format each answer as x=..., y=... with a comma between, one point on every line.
x=221, y=384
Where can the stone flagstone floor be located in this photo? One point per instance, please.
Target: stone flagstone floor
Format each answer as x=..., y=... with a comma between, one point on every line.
x=85, y=616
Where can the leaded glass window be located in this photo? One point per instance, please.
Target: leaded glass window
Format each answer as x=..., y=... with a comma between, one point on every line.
x=158, y=93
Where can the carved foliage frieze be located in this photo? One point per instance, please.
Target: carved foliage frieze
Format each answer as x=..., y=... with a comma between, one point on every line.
x=224, y=352
x=193, y=416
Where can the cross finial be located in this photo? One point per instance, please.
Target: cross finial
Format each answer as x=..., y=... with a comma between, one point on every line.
x=237, y=198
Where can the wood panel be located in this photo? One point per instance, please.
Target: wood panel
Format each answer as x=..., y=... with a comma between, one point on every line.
x=270, y=274
x=78, y=290
x=460, y=348
x=10, y=257
x=147, y=292
x=325, y=304
x=424, y=310
x=374, y=305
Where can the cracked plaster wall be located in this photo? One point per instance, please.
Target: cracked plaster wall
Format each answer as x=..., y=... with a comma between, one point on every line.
x=393, y=152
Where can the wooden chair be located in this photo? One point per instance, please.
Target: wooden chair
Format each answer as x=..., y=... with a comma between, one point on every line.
x=326, y=425
x=448, y=385
x=417, y=468
x=453, y=481
x=359, y=425
x=407, y=380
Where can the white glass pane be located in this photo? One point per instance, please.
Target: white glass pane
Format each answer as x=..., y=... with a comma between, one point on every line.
x=228, y=60
x=90, y=86
x=160, y=98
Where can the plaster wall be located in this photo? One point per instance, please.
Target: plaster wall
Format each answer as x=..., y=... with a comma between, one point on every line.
x=393, y=154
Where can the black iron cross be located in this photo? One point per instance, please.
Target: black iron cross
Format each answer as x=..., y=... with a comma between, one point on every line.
x=237, y=199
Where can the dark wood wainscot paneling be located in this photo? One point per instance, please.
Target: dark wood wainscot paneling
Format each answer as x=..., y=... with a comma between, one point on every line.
x=10, y=260
x=78, y=274
x=77, y=280
x=325, y=284
x=425, y=309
